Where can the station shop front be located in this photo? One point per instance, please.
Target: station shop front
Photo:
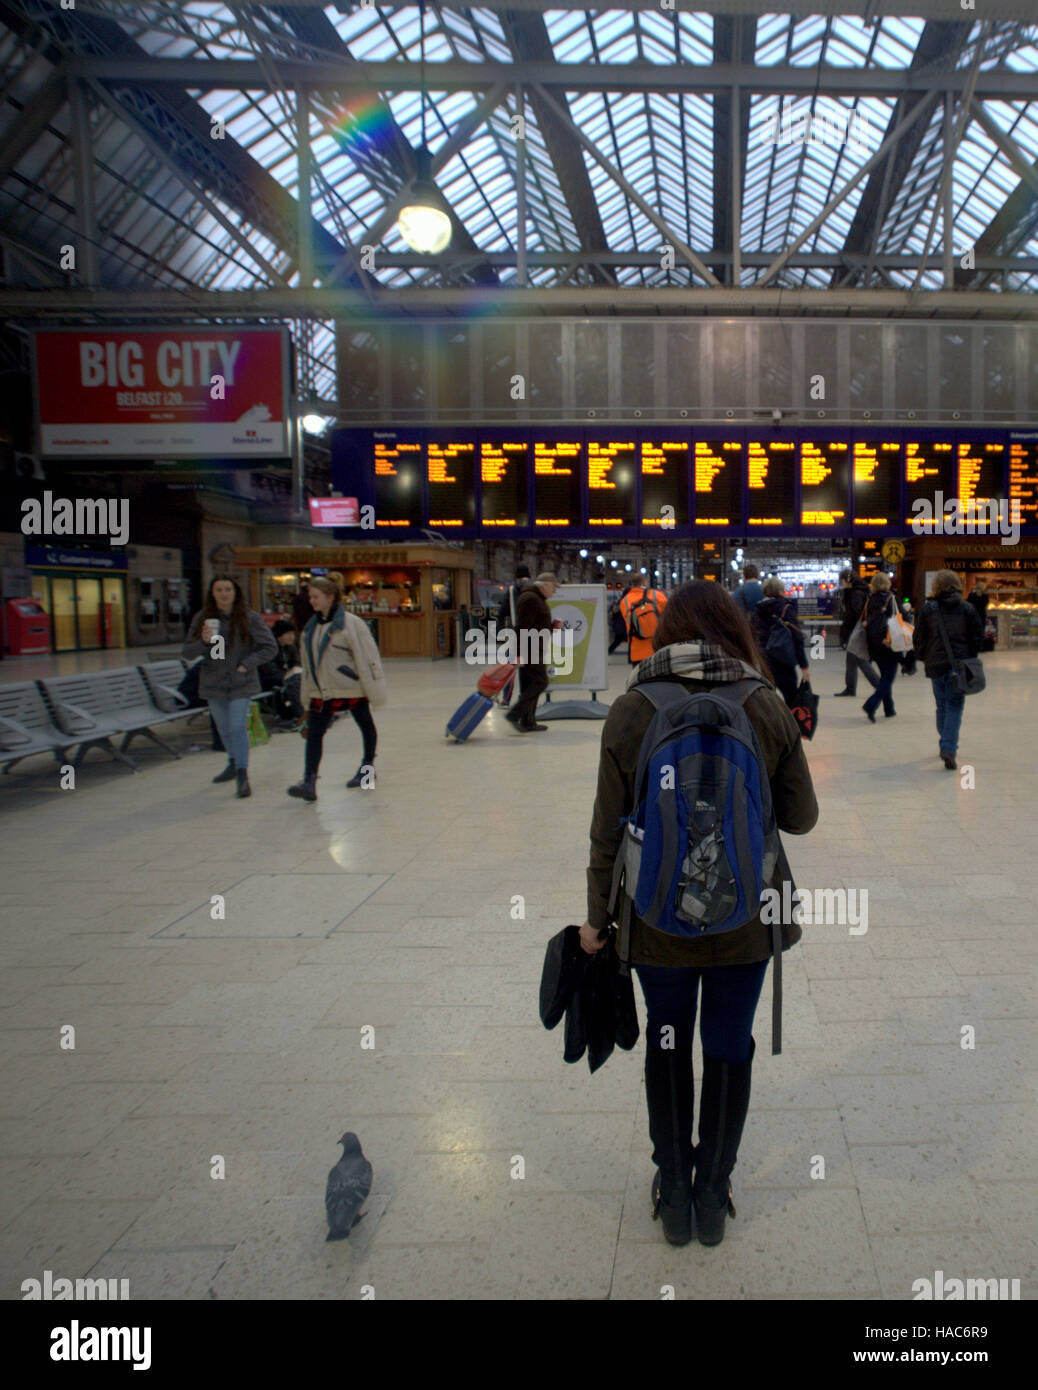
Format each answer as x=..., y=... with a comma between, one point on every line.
x=84, y=595
x=410, y=594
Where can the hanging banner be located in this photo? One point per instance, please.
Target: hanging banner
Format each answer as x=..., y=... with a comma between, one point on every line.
x=184, y=392
x=581, y=611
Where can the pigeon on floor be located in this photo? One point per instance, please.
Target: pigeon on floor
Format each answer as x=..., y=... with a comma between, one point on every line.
x=349, y=1183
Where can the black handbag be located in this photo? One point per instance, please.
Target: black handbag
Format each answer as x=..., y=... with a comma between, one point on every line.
x=967, y=672
x=805, y=710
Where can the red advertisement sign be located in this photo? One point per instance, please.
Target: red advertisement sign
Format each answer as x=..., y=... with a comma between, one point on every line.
x=183, y=392
x=334, y=511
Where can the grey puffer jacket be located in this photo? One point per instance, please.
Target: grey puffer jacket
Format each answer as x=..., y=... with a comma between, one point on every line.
x=221, y=680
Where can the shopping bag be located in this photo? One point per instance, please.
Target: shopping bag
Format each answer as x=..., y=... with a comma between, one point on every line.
x=805, y=710
x=258, y=731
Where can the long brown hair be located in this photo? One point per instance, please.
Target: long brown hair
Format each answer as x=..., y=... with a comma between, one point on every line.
x=239, y=619
x=702, y=611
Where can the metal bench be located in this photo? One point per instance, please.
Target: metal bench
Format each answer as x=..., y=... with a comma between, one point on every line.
x=26, y=726
x=130, y=700
x=82, y=711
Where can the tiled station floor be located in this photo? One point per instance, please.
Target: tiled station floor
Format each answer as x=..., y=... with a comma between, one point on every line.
x=392, y=909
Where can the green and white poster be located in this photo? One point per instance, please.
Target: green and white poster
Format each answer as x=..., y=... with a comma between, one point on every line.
x=581, y=611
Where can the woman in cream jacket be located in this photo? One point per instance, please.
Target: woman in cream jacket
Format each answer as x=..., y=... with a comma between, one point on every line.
x=342, y=669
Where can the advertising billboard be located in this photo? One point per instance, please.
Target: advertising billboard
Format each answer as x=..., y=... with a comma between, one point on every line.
x=184, y=392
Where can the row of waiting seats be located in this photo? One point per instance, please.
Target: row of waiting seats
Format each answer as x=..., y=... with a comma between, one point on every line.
x=82, y=712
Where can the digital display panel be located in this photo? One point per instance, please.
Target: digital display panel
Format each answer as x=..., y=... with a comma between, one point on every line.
x=771, y=483
x=559, y=460
x=398, y=479
x=717, y=479
x=451, y=474
x=503, y=464
x=1023, y=477
x=877, y=482
x=980, y=476
x=825, y=474
x=612, y=481
x=665, y=459
x=929, y=470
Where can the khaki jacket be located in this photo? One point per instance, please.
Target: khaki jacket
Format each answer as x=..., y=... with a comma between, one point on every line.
x=344, y=641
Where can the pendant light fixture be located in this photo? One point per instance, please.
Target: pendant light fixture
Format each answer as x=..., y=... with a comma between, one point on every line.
x=423, y=224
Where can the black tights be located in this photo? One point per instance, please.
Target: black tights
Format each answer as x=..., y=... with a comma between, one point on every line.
x=317, y=724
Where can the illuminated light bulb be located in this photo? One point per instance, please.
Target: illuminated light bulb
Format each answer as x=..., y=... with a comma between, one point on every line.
x=313, y=424
x=422, y=223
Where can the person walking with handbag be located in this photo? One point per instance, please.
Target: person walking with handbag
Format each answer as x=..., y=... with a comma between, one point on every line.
x=854, y=594
x=881, y=607
x=703, y=644
x=778, y=634
x=949, y=630
x=234, y=643
x=533, y=624
x=342, y=670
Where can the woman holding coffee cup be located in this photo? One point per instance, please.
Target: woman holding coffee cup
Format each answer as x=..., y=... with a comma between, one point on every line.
x=235, y=642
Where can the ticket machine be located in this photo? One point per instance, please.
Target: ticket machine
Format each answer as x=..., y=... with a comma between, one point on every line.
x=27, y=627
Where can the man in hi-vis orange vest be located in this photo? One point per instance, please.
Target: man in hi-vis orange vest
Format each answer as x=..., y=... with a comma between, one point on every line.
x=641, y=609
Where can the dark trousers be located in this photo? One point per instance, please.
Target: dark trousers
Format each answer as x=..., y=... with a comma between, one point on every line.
x=317, y=724
x=533, y=682
x=851, y=666
x=885, y=689
x=730, y=995
x=787, y=678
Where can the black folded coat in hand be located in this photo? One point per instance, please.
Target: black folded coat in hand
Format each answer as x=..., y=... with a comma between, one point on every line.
x=597, y=1001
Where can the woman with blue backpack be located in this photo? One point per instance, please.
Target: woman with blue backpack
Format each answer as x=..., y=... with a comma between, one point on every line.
x=701, y=765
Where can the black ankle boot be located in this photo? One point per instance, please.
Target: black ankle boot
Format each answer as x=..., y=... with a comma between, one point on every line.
x=722, y=1115
x=227, y=774
x=243, y=784
x=668, y=1090
x=358, y=776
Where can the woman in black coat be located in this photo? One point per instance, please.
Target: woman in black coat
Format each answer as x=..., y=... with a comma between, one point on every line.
x=775, y=608
x=965, y=630
x=880, y=608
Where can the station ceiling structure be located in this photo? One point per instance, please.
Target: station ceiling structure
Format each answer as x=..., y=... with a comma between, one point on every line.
x=249, y=160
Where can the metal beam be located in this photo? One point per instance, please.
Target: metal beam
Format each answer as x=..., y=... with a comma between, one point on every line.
x=475, y=301
x=661, y=225
x=1009, y=148
x=907, y=9
x=939, y=44
x=305, y=258
x=83, y=181
x=233, y=74
x=572, y=260
x=35, y=116
x=527, y=36
x=735, y=40
x=914, y=114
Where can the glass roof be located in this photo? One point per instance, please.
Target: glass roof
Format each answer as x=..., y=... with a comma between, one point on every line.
x=169, y=221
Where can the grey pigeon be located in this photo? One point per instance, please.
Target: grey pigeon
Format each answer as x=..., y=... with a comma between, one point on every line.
x=349, y=1183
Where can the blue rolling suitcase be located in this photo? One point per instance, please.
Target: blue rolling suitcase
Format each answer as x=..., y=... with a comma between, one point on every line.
x=470, y=713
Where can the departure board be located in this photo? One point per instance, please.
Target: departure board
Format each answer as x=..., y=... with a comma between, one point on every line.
x=825, y=469
x=398, y=479
x=876, y=495
x=503, y=462
x=929, y=470
x=717, y=479
x=665, y=460
x=451, y=473
x=1023, y=476
x=612, y=480
x=771, y=483
x=559, y=460
x=980, y=477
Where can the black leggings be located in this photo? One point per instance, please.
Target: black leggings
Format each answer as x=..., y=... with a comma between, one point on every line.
x=317, y=723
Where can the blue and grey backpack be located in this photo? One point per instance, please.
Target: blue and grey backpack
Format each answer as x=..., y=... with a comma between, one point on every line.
x=701, y=843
